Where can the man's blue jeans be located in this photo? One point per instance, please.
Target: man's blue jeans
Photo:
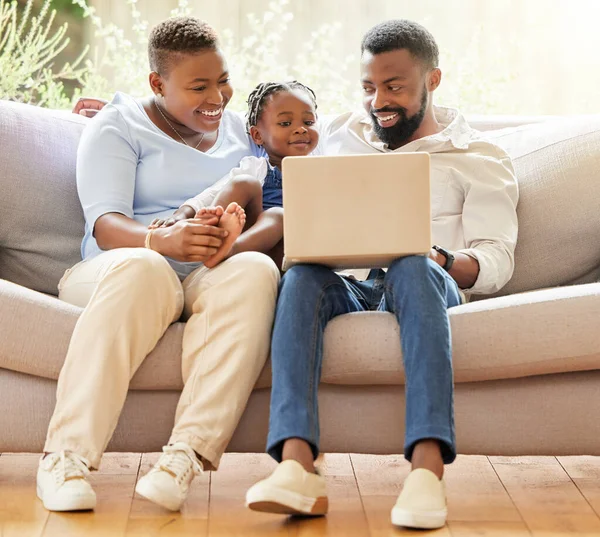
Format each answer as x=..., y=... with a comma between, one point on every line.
x=418, y=292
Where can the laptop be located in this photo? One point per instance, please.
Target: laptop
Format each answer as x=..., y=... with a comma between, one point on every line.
x=356, y=211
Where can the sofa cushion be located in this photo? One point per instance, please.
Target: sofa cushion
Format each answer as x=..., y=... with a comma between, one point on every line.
x=41, y=220
x=557, y=164
x=542, y=332
x=23, y=310
x=536, y=333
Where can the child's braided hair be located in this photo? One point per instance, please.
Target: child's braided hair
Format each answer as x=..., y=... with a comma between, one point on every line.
x=257, y=97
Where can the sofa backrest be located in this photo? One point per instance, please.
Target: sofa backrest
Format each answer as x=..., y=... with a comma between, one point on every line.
x=557, y=163
x=41, y=221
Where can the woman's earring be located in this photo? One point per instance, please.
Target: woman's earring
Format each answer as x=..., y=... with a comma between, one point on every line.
x=159, y=95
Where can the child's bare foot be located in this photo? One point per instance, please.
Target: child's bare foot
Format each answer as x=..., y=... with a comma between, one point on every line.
x=210, y=216
x=233, y=220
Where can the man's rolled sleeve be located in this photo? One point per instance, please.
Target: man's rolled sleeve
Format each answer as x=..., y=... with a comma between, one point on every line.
x=490, y=218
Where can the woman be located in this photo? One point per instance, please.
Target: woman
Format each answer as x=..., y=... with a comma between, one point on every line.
x=137, y=161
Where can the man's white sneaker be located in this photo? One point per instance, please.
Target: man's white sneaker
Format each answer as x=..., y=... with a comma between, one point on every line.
x=62, y=483
x=168, y=483
x=422, y=502
x=289, y=490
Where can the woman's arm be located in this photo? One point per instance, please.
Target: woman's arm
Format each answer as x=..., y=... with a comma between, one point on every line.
x=106, y=176
x=189, y=241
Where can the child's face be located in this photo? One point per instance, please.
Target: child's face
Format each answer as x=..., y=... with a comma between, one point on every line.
x=287, y=126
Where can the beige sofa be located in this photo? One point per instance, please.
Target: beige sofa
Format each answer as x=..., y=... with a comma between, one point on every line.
x=527, y=365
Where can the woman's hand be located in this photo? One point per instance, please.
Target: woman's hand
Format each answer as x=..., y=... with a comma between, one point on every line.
x=89, y=106
x=163, y=222
x=183, y=213
x=188, y=240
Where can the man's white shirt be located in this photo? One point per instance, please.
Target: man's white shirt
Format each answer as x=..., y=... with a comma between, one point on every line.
x=474, y=191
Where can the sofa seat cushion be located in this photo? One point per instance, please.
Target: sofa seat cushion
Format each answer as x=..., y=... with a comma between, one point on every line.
x=537, y=333
x=35, y=330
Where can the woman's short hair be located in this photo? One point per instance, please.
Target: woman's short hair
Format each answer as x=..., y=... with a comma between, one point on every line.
x=176, y=36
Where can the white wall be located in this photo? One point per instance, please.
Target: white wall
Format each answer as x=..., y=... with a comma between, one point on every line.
x=498, y=56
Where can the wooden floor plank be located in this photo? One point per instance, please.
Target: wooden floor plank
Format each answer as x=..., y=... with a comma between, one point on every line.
x=346, y=516
x=21, y=513
x=120, y=464
x=147, y=519
x=585, y=473
x=228, y=515
x=488, y=529
x=476, y=493
x=380, y=481
x=114, y=490
x=547, y=499
x=495, y=497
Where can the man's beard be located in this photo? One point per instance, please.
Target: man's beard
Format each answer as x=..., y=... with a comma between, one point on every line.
x=398, y=134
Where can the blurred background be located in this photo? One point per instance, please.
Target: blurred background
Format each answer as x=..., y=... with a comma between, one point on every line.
x=497, y=56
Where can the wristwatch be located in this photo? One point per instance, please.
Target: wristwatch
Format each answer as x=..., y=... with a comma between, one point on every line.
x=448, y=255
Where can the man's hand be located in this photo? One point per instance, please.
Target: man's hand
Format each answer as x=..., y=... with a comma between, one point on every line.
x=89, y=106
x=465, y=269
x=188, y=240
x=438, y=258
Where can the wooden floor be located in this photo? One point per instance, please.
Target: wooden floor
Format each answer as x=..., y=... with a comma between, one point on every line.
x=487, y=496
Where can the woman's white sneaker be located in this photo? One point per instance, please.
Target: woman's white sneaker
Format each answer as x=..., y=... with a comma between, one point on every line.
x=289, y=490
x=62, y=482
x=168, y=483
x=422, y=502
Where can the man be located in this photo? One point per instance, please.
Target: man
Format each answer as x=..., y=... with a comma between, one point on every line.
x=474, y=197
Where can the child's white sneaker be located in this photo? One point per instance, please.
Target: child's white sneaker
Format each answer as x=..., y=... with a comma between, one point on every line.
x=62, y=483
x=168, y=483
x=422, y=502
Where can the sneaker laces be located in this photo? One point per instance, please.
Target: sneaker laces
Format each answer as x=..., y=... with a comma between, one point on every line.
x=66, y=465
x=178, y=459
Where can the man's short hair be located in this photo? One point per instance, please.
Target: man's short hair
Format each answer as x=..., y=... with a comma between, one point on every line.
x=402, y=34
x=176, y=36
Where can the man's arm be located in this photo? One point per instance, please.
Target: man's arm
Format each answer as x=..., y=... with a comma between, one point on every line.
x=465, y=269
x=489, y=221
x=89, y=106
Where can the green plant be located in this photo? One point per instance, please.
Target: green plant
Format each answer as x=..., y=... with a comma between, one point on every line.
x=28, y=47
x=67, y=6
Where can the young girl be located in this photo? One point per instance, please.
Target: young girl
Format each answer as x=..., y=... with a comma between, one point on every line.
x=282, y=119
